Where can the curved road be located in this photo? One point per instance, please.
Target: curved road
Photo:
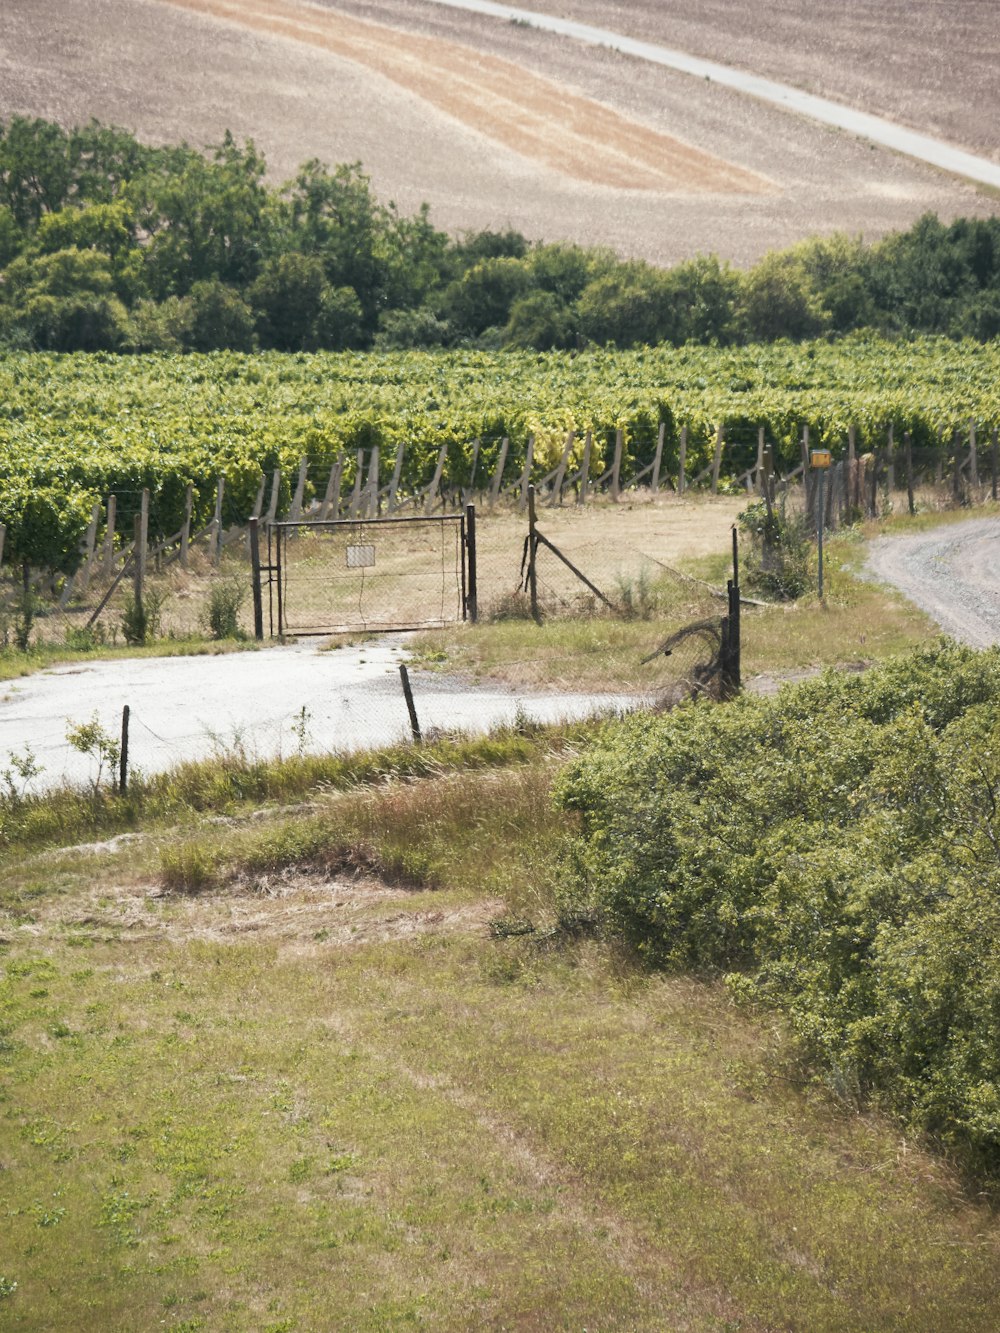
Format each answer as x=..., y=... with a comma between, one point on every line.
x=912, y=144
x=951, y=572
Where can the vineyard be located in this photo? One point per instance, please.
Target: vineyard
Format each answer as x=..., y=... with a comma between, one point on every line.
x=76, y=429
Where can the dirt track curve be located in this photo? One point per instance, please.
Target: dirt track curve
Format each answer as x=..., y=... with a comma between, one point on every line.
x=952, y=573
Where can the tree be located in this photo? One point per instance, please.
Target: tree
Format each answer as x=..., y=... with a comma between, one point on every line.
x=627, y=306
x=541, y=320
x=779, y=301
x=482, y=297
x=220, y=318
x=65, y=301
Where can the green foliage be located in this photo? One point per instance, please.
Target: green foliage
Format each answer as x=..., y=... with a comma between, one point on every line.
x=226, y=597
x=90, y=738
x=777, y=565
x=830, y=850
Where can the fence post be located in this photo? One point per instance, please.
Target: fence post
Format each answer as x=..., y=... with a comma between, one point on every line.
x=853, y=484
x=371, y=502
x=890, y=467
x=258, y=600
x=470, y=490
x=973, y=459
x=585, y=469
x=529, y=459
x=3, y=535
x=908, y=460
x=109, y=534
x=300, y=490
x=556, y=497
x=123, y=754
x=616, y=470
x=498, y=474
x=717, y=460
x=258, y=503
x=359, y=467
x=682, y=460
x=88, y=564
x=143, y=533
x=220, y=487
x=807, y=485
x=432, y=490
x=272, y=508
x=186, y=526
x=993, y=472
x=138, y=567
x=532, y=548
x=658, y=457
x=471, y=595
x=397, y=472
x=332, y=496
x=956, y=473
x=404, y=676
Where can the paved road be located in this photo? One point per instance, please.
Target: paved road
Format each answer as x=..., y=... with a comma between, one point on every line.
x=189, y=707
x=951, y=572
x=912, y=144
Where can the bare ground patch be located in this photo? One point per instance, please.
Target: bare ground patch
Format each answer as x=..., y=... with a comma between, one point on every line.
x=298, y=912
x=527, y=113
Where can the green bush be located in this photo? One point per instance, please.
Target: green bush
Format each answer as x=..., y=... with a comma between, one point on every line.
x=836, y=851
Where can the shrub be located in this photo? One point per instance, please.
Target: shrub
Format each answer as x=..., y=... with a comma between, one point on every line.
x=225, y=600
x=829, y=850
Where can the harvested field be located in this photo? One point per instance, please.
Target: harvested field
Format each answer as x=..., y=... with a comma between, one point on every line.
x=684, y=167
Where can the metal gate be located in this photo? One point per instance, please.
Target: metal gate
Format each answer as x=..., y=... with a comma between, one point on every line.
x=346, y=575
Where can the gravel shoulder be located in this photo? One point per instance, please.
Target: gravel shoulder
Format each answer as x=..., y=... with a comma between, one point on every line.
x=952, y=573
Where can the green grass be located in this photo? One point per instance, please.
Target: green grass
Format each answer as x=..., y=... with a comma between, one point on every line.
x=317, y=1091
x=857, y=621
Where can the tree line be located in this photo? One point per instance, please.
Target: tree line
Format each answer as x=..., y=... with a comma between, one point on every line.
x=110, y=244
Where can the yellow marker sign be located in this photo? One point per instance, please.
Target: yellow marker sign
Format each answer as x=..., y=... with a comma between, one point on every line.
x=819, y=458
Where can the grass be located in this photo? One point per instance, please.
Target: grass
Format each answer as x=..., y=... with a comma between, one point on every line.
x=857, y=621
x=320, y=1092
x=318, y=1048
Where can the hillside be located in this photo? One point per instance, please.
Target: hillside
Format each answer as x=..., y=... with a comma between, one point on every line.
x=495, y=124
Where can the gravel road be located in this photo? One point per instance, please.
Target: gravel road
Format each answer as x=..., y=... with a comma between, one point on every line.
x=192, y=707
x=952, y=573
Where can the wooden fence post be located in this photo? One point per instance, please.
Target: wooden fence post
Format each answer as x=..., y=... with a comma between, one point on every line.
x=272, y=508
x=956, y=472
x=807, y=481
x=371, y=500
x=908, y=460
x=300, y=489
x=661, y=433
x=3, y=537
x=890, y=466
x=529, y=459
x=993, y=471
x=138, y=564
x=973, y=460
x=359, y=468
x=404, y=676
x=616, y=469
x=258, y=503
x=717, y=459
x=88, y=561
x=220, y=486
x=498, y=474
x=432, y=490
x=532, y=551
x=186, y=526
x=123, y=754
x=853, y=483
x=109, y=535
x=143, y=536
x=557, y=482
x=331, y=498
x=682, y=460
x=585, y=469
x=258, y=599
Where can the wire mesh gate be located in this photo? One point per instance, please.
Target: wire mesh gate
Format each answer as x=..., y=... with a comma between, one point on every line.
x=347, y=575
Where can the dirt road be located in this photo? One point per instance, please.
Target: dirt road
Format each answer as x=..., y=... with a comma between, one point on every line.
x=952, y=573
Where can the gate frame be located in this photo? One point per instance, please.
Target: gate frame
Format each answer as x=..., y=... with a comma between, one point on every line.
x=276, y=569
